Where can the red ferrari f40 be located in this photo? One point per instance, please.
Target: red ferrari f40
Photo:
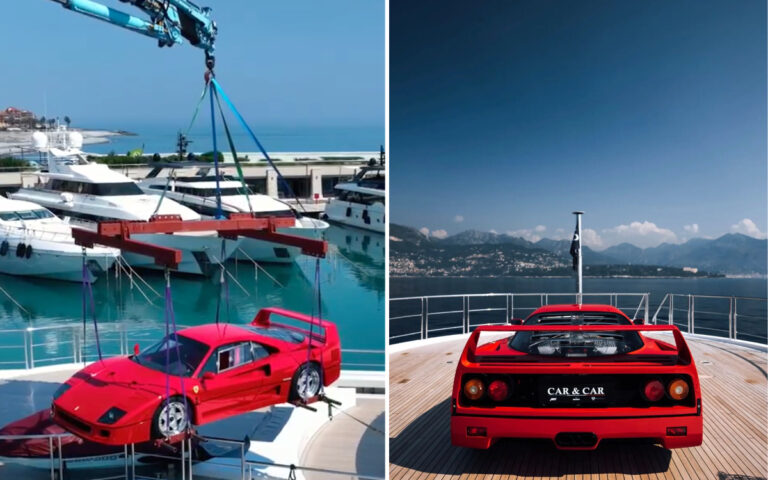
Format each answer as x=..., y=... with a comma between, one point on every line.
x=199, y=375
x=576, y=374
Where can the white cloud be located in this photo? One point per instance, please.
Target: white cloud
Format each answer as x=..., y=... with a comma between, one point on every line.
x=526, y=233
x=748, y=227
x=692, y=228
x=591, y=238
x=439, y=234
x=458, y=219
x=424, y=231
x=642, y=234
x=539, y=228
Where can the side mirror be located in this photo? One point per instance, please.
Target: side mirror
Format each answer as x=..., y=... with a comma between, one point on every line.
x=135, y=348
x=639, y=321
x=515, y=321
x=209, y=376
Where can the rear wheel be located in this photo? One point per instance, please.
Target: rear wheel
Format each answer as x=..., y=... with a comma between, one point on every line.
x=306, y=382
x=171, y=418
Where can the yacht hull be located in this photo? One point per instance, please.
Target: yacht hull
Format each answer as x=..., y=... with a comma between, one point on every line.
x=55, y=262
x=270, y=252
x=367, y=217
x=201, y=254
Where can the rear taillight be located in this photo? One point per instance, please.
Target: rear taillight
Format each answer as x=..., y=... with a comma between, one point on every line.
x=498, y=390
x=677, y=431
x=474, y=389
x=678, y=389
x=654, y=390
x=476, y=432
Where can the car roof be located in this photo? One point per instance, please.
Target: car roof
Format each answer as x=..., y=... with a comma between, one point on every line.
x=215, y=334
x=585, y=307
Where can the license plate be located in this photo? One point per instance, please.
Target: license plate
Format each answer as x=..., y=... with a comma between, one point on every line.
x=564, y=394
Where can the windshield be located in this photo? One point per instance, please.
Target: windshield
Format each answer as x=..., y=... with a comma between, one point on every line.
x=575, y=343
x=25, y=215
x=185, y=363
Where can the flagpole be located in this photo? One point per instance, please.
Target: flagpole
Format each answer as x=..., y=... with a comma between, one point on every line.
x=579, y=278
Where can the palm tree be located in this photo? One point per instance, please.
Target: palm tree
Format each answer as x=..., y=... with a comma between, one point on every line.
x=67, y=120
x=42, y=121
x=51, y=122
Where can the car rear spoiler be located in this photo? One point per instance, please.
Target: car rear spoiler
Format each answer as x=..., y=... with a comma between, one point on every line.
x=316, y=325
x=683, y=352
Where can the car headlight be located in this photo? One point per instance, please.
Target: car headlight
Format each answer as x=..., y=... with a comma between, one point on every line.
x=111, y=416
x=60, y=391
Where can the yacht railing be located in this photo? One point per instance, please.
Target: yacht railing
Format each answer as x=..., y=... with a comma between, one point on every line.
x=248, y=469
x=737, y=318
x=437, y=315
x=35, y=233
x=34, y=347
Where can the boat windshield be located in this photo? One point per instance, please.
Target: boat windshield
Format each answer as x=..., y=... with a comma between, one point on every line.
x=25, y=215
x=576, y=343
x=112, y=189
x=163, y=355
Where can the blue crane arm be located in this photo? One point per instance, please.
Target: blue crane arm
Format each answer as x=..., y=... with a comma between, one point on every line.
x=170, y=21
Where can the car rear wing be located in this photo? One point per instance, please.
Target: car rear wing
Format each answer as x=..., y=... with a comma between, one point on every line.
x=317, y=326
x=683, y=352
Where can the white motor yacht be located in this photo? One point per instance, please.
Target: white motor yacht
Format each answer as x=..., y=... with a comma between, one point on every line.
x=360, y=202
x=35, y=243
x=196, y=189
x=84, y=194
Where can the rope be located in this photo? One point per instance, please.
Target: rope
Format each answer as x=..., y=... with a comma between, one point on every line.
x=170, y=325
x=88, y=295
x=256, y=140
x=234, y=154
x=215, y=154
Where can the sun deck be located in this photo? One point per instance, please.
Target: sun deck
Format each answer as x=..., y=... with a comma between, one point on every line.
x=735, y=405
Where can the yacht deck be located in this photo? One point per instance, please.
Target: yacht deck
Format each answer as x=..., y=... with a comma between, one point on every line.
x=734, y=389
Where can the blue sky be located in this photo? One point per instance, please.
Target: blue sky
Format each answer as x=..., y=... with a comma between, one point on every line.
x=283, y=63
x=650, y=116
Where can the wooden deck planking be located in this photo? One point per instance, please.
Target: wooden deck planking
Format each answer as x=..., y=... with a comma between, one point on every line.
x=735, y=404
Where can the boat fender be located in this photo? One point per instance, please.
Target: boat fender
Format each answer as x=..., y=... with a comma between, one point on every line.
x=4, y=248
x=349, y=211
x=28, y=253
x=20, y=249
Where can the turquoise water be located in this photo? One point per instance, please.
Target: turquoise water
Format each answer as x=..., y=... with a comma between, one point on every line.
x=162, y=138
x=352, y=292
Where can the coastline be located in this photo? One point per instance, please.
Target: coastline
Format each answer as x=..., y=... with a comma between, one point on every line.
x=13, y=142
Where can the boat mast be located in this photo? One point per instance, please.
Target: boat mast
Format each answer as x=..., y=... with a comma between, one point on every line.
x=579, y=278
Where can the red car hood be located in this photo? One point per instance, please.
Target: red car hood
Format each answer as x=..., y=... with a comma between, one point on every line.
x=115, y=382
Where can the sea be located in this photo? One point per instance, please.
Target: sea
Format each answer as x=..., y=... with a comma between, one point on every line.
x=711, y=314
x=161, y=138
x=351, y=294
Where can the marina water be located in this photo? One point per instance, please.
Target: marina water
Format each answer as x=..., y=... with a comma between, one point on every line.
x=351, y=286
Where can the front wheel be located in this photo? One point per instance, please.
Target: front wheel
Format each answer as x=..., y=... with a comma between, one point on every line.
x=306, y=382
x=171, y=418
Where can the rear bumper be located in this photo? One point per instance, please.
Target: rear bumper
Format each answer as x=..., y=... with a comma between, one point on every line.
x=654, y=428
x=105, y=434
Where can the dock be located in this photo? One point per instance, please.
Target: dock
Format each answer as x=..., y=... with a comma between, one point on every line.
x=735, y=408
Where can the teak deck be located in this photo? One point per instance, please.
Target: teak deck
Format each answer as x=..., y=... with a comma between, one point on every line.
x=735, y=405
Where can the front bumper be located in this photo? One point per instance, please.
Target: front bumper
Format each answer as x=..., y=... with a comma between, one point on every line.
x=100, y=433
x=559, y=430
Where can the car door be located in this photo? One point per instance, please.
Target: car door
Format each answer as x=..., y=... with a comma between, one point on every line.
x=229, y=381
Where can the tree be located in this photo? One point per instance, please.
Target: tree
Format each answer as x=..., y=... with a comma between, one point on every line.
x=67, y=120
x=42, y=121
x=51, y=122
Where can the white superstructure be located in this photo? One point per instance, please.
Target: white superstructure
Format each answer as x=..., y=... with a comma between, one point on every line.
x=84, y=194
x=34, y=242
x=197, y=191
x=360, y=202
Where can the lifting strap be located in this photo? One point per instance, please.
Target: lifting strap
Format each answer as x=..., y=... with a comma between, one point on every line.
x=88, y=300
x=219, y=213
x=234, y=154
x=170, y=327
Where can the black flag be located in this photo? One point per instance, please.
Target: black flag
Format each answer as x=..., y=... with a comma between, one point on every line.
x=576, y=248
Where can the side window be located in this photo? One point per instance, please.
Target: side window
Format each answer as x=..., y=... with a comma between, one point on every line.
x=210, y=364
x=235, y=355
x=258, y=351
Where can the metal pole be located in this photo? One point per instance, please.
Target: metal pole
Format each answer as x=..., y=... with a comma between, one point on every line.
x=735, y=318
x=50, y=450
x=61, y=458
x=647, y=295
x=671, y=308
x=579, y=277
x=730, y=317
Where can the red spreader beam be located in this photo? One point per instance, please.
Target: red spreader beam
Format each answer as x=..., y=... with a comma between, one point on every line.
x=118, y=234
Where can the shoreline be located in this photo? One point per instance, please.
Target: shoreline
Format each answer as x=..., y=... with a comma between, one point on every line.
x=14, y=141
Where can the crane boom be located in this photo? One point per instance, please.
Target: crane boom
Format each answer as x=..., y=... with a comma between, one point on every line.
x=170, y=21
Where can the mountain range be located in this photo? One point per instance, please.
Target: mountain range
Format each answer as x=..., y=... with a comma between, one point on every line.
x=731, y=254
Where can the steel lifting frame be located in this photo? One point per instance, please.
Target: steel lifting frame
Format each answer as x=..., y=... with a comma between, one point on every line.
x=117, y=234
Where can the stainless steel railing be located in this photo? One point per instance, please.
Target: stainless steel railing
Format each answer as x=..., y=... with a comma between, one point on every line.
x=438, y=315
x=716, y=315
x=56, y=344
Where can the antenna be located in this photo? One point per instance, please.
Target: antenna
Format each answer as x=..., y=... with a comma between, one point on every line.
x=579, y=262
